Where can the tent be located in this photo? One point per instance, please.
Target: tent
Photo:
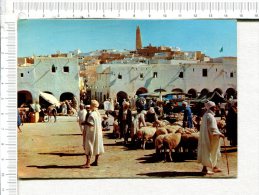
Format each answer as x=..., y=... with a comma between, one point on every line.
x=50, y=98
x=214, y=96
x=217, y=98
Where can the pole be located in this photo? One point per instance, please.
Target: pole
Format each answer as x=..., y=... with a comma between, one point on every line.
x=226, y=154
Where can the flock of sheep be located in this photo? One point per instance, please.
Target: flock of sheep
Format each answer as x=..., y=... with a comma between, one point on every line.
x=167, y=137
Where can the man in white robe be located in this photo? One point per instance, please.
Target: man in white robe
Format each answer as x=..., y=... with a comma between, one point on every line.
x=81, y=117
x=209, y=140
x=94, y=139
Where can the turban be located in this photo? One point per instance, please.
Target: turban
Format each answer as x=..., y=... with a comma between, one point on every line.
x=105, y=117
x=94, y=103
x=151, y=110
x=185, y=103
x=125, y=104
x=144, y=112
x=209, y=104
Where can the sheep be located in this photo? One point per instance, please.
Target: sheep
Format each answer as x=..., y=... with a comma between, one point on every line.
x=171, y=141
x=145, y=134
x=160, y=131
x=179, y=123
x=172, y=128
x=149, y=124
x=159, y=143
x=161, y=123
x=189, y=141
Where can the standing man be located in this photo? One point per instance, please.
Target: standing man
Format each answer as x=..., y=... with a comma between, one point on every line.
x=106, y=106
x=125, y=121
x=231, y=124
x=93, y=144
x=209, y=140
x=81, y=116
x=52, y=110
x=18, y=121
x=187, y=116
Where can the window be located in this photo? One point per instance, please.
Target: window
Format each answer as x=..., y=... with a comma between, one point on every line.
x=141, y=75
x=119, y=76
x=154, y=74
x=204, y=72
x=181, y=75
x=66, y=69
x=231, y=74
x=193, y=69
x=21, y=74
x=53, y=68
x=216, y=70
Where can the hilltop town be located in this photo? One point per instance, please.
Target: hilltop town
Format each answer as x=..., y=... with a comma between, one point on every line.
x=111, y=73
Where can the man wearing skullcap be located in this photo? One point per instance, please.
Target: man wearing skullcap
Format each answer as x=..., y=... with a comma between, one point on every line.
x=209, y=140
x=93, y=143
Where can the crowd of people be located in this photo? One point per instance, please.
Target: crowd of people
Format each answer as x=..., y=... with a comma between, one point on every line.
x=143, y=112
x=205, y=122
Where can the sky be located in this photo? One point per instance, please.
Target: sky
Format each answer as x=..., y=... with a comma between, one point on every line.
x=43, y=37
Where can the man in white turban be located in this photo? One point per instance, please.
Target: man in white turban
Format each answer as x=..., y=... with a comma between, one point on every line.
x=93, y=143
x=209, y=140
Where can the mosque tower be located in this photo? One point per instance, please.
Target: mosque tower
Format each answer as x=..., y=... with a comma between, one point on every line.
x=138, y=39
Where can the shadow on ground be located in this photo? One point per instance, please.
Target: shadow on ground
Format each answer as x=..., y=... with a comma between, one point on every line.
x=62, y=154
x=171, y=174
x=57, y=166
x=76, y=134
x=177, y=157
x=109, y=135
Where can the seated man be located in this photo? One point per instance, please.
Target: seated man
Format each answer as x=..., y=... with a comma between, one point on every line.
x=151, y=116
x=105, y=124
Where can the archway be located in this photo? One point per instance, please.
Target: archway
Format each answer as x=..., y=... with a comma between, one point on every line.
x=204, y=92
x=24, y=97
x=192, y=93
x=66, y=96
x=177, y=90
x=231, y=92
x=121, y=95
x=141, y=90
x=218, y=90
x=72, y=100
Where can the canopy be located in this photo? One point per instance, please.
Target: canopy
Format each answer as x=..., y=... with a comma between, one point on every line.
x=153, y=94
x=50, y=98
x=159, y=90
x=217, y=98
x=214, y=96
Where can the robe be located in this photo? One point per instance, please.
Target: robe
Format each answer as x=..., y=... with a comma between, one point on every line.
x=94, y=136
x=81, y=118
x=209, y=141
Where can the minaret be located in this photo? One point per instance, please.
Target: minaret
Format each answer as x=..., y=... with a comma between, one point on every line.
x=138, y=39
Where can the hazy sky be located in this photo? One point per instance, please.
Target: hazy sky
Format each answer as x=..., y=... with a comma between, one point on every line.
x=41, y=37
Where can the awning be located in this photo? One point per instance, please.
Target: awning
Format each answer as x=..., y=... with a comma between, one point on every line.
x=50, y=98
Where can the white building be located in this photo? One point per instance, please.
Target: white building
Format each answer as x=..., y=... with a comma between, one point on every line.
x=58, y=76
x=188, y=76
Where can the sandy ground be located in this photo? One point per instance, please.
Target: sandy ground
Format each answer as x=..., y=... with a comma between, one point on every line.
x=54, y=150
